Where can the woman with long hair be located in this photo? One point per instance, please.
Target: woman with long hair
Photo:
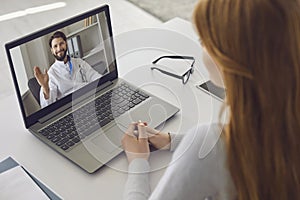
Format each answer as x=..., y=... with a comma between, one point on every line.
x=256, y=46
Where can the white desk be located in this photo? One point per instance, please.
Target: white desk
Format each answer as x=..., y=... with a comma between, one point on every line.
x=135, y=52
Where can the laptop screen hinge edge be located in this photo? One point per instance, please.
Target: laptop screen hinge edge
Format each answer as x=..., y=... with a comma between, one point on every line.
x=69, y=105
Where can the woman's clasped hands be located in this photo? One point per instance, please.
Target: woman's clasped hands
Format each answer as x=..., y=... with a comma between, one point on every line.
x=137, y=138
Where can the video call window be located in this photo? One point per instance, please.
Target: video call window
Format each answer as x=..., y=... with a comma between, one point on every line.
x=86, y=40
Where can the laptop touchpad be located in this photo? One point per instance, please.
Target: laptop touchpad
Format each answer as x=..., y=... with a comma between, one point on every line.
x=111, y=139
x=153, y=112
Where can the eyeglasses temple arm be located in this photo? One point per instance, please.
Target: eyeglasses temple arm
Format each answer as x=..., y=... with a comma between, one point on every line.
x=174, y=57
x=165, y=72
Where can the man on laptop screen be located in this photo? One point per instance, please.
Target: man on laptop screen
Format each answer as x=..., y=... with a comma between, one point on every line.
x=65, y=75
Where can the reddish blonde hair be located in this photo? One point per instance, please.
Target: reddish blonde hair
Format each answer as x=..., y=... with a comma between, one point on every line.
x=256, y=44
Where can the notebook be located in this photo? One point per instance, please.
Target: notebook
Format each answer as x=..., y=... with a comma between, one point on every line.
x=87, y=122
x=9, y=163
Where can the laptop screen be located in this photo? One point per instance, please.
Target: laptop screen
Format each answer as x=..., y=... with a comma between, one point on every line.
x=59, y=63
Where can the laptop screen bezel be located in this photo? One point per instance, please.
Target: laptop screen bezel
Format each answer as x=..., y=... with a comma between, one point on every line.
x=33, y=118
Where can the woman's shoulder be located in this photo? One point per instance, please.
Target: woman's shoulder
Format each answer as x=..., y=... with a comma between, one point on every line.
x=204, y=138
x=198, y=167
x=203, y=145
x=208, y=139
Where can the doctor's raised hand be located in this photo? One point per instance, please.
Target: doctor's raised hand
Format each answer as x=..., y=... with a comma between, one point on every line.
x=43, y=80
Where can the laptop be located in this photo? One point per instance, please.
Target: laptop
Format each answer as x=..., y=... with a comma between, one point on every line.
x=87, y=125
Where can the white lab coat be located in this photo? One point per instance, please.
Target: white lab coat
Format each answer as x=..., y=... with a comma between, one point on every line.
x=63, y=82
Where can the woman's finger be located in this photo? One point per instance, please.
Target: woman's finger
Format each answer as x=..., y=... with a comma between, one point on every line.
x=131, y=129
x=151, y=130
x=142, y=131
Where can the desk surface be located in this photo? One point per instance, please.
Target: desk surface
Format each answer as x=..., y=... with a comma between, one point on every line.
x=135, y=51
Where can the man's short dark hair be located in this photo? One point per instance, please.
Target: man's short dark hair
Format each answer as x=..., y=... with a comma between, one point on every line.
x=57, y=34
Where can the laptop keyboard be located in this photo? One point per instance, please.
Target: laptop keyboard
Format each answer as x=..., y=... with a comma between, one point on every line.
x=74, y=127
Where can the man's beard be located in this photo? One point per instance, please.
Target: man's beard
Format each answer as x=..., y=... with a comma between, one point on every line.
x=61, y=58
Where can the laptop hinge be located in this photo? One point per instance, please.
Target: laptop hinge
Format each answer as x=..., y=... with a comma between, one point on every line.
x=75, y=102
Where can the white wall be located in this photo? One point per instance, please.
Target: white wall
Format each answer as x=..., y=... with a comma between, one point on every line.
x=18, y=62
x=35, y=54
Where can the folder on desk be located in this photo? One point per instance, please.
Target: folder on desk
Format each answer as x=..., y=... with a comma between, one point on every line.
x=10, y=163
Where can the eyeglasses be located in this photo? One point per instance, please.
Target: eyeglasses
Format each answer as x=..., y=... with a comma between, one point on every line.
x=185, y=77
